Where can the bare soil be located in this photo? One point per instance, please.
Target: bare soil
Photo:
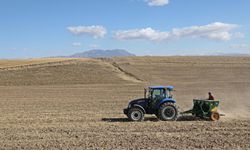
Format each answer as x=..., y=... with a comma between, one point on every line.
x=78, y=104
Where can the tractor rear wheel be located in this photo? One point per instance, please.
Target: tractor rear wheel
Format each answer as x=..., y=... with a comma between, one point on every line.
x=168, y=112
x=135, y=114
x=215, y=116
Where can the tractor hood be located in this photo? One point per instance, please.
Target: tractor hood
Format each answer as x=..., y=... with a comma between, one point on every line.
x=142, y=102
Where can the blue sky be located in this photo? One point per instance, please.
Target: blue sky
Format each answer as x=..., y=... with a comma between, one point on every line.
x=41, y=28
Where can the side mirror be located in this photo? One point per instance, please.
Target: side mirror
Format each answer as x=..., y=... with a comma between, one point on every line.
x=145, y=93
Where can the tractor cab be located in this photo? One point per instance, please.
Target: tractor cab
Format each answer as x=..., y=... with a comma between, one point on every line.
x=158, y=92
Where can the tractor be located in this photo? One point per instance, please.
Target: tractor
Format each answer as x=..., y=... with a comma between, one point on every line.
x=157, y=100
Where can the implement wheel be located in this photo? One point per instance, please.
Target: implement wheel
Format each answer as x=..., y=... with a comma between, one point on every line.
x=215, y=116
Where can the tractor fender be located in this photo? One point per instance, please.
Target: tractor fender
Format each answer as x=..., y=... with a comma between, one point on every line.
x=140, y=107
x=165, y=101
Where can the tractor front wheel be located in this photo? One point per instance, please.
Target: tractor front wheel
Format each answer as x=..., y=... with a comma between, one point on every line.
x=135, y=114
x=168, y=112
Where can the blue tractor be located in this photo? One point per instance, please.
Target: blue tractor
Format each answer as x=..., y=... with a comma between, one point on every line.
x=157, y=100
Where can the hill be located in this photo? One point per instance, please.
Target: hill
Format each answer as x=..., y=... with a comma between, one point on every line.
x=193, y=76
x=61, y=71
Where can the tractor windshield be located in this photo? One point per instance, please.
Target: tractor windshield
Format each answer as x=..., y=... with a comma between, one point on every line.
x=156, y=94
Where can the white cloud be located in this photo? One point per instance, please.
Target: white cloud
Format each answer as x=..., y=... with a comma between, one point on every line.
x=77, y=44
x=146, y=33
x=157, y=2
x=215, y=31
x=95, y=31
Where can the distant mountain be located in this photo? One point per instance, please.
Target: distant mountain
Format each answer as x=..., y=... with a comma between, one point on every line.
x=231, y=54
x=98, y=53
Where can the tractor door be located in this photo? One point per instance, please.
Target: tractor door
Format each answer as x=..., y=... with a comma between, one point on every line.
x=156, y=95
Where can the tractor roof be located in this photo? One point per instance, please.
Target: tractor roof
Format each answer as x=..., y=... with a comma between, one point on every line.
x=170, y=88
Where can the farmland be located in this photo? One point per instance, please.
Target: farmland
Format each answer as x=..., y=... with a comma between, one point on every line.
x=77, y=103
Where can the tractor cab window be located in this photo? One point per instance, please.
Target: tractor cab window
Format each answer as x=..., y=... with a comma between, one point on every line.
x=157, y=94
